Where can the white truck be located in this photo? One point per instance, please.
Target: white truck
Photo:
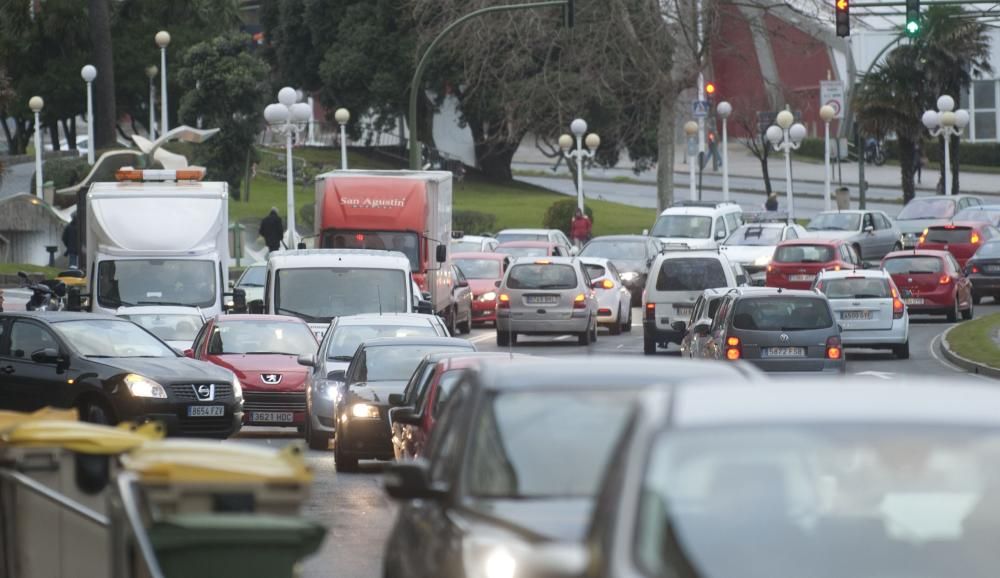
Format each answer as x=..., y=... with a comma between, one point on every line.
x=157, y=237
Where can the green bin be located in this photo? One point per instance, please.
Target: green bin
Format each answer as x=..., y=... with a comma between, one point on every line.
x=233, y=545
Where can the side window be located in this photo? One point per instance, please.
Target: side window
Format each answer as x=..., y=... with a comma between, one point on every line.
x=613, y=273
x=444, y=447
x=885, y=224
x=720, y=227
x=27, y=338
x=844, y=254
x=698, y=311
x=557, y=251
x=720, y=316
x=867, y=221
x=199, y=339
x=790, y=233
x=459, y=276
x=732, y=221
x=4, y=344
x=358, y=371
x=954, y=264
x=974, y=201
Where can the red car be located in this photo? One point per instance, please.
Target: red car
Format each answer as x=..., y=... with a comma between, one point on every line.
x=482, y=270
x=263, y=352
x=796, y=263
x=961, y=238
x=931, y=282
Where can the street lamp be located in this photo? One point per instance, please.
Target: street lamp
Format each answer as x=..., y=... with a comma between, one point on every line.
x=89, y=73
x=163, y=40
x=724, y=109
x=343, y=116
x=288, y=117
x=691, y=130
x=946, y=122
x=578, y=127
x=786, y=137
x=36, y=104
x=826, y=114
x=151, y=72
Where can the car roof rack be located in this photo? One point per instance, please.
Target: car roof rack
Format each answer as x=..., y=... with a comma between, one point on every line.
x=709, y=204
x=674, y=246
x=761, y=217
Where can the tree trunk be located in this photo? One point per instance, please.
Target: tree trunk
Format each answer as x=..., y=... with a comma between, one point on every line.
x=70, y=138
x=11, y=143
x=665, y=154
x=765, y=170
x=54, y=137
x=495, y=160
x=104, y=84
x=954, y=164
x=907, y=168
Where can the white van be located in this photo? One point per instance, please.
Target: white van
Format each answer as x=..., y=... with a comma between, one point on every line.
x=697, y=224
x=318, y=285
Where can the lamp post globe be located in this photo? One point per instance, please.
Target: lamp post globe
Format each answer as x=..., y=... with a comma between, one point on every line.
x=342, y=116
x=152, y=71
x=775, y=134
x=36, y=104
x=931, y=119
x=690, y=128
x=88, y=73
x=961, y=118
x=287, y=96
x=565, y=142
x=785, y=119
x=593, y=141
x=300, y=112
x=163, y=39
x=724, y=109
x=797, y=132
x=826, y=113
x=578, y=127
x=945, y=103
x=948, y=118
x=276, y=114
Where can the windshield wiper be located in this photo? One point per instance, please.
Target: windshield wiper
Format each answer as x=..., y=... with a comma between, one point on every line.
x=552, y=286
x=266, y=353
x=920, y=272
x=299, y=314
x=811, y=261
x=867, y=296
x=99, y=356
x=342, y=357
x=170, y=303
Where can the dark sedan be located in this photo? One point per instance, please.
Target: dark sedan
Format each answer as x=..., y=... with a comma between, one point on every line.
x=630, y=254
x=112, y=370
x=516, y=458
x=983, y=270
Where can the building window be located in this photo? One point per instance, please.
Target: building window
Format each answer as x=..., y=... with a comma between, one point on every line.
x=984, y=110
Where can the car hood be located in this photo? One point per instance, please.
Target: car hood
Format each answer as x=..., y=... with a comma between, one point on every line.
x=830, y=234
x=560, y=519
x=747, y=254
x=376, y=392
x=480, y=286
x=169, y=369
x=917, y=226
x=250, y=369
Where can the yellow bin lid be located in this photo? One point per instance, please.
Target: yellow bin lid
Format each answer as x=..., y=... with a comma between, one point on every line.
x=81, y=437
x=197, y=461
x=9, y=419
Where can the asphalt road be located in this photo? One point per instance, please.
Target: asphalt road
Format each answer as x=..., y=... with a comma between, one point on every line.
x=359, y=515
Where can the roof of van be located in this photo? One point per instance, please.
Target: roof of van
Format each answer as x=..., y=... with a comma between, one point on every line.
x=705, y=211
x=365, y=258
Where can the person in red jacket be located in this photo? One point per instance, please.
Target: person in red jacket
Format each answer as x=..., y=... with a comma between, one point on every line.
x=580, y=228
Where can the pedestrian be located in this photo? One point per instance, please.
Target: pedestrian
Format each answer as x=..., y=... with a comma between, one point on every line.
x=272, y=229
x=713, y=151
x=771, y=204
x=71, y=239
x=940, y=186
x=579, y=228
x=918, y=160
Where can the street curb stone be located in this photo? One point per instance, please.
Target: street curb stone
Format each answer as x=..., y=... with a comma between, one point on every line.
x=963, y=363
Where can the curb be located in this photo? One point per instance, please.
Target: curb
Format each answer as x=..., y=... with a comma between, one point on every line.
x=963, y=363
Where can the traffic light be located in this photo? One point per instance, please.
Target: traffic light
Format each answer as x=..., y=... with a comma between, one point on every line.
x=569, y=13
x=912, y=17
x=843, y=17
x=710, y=89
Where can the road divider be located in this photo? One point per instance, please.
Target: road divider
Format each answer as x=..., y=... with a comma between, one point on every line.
x=972, y=346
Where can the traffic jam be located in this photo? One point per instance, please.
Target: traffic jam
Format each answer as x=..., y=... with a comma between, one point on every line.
x=727, y=446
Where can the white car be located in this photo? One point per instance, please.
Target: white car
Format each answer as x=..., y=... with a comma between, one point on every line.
x=869, y=309
x=175, y=325
x=752, y=245
x=614, y=300
x=547, y=235
x=252, y=281
x=697, y=225
x=472, y=243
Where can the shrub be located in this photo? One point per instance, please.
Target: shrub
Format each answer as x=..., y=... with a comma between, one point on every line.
x=64, y=171
x=473, y=222
x=560, y=215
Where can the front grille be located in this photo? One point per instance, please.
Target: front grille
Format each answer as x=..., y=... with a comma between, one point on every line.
x=186, y=392
x=267, y=401
x=206, y=426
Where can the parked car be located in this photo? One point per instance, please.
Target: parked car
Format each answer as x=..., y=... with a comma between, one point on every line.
x=631, y=254
x=676, y=280
x=263, y=352
x=515, y=249
x=340, y=342
x=985, y=213
x=871, y=233
x=552, y=296
x=796, y=263
x=554, y=236
x=869, y=308
x=482, y=270
x=922, y=212
x=693, y=344
x=177, y=326
x=696, y=224
x=251, y=281
x=983, y=271
x=112, y=371
x=776, y=330
x=614, y=300
x=752, y=246
x=460, y=318
x=962, y=239
x=461, y=243
x=931, y=282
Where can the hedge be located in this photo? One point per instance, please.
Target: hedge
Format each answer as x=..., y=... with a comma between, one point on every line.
x=473, y=222
x=982, y=154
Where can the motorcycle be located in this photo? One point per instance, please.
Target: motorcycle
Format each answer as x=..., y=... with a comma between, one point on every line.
x=46, y=295
x=875, y=153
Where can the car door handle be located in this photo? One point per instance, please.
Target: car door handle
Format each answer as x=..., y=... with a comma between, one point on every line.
x=7, y=369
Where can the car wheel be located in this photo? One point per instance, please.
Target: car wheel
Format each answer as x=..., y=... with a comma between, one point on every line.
x=967, y=314
x=593, y=333
x=584, y=338
x=466, y=326
x=503, y=338
x=318, y=441
x=901, y=351
x=616, y=327
x=977, y=298
x=627, y=328
x=648, y=344
x=953, y=314
x=342, y=462
x=96, y=411
x=452, y=328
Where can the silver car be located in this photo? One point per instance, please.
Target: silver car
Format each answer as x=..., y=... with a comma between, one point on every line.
x=869, y=309
x=872, y=234
x=693, y=344
x=550, y=296
x=614, y=300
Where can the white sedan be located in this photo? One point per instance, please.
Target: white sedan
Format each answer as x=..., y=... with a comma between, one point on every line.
x=614, y=300
x=869, y=309
x=752, y=246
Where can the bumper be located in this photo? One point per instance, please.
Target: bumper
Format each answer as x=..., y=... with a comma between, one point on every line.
x=838, y=366
x=985, y=285
x=898, y=335
x=322, y=414
x=173, y=414
x=662, y=336
x=543, y=326
x=267, y=408
x=369, y=439
x=484, y=311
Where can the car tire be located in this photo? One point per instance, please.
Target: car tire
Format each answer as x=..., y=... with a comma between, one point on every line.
x=317, y=441
x=465, y=327
x=953, y=314
x=96, y=411
x=342, y=462
x=968, y=313
x=452, y=328
x=648, y=344
x=627, y=328
x=503, y=338
x=584, y=338
x=593, y=333
x=901, y=351
x=615, y=328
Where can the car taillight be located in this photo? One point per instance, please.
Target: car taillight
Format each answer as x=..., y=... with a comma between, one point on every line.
x=897, y=304
x=650, y=311
x=923, y=236
x=973, y=269
x=607, y=284
x=580, y=301
x=734, y=348
x=770, y=268
x=974, y=239
x=503, y=301
x=833, y=349
x=945, y=279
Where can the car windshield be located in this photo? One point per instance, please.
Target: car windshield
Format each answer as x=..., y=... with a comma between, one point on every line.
x=978, y=215
x=927, y=208
x=682, y=227
x=346, y=338
x=405, y=243
x=466, y=246
x=989, y=250
x=169, y=327
x=535, y=276
x=253, y=277
x=855, y=288
x=508, y=237
x=524, y=251
x=690, y=274
x=804, y=254
x=776, y=313
x=480, y=268
x=835, y=222
x=859, y=500
x=912, y=265
x=259, y=337
x=397, y=362
x=755, y=235
x=621, y=250
x=507, y=460
x=319, y=295
x=131, y=282
x=111, y=338
x=948, y=235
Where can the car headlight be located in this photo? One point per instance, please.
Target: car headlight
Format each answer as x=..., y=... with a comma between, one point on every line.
x=329, y=390
x=237, y=388
x=491, y=558
x=141, y=386
x=629, y=276
x=364, y=411
x=488, y=296
x=762, y=261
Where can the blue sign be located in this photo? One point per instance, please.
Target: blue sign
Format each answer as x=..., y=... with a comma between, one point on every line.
x=699, y=108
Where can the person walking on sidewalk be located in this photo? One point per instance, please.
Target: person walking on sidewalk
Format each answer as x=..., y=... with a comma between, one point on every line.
x=272, y=229
x=918, y=160
x=713, y=151
x=579, y=228
x=71, y=239
x=771, y=204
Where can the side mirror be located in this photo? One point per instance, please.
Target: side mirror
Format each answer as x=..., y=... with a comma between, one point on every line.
x=463, y=283
x=574, y=251
x=47, y=355
x=441, y=253
x=188, y=353
x=396, y=399
x=497, y=283
x=425, y=307
x=232, y=283
x=256, y=307
x=679, y=326
x=240, y=300
x=645, y=232
x=701, y=329
x=741, y=280
x=871, y=265
x=404, y=415
x=720, y=235
x=337, y=375
x=308, y=360
x=410, y=480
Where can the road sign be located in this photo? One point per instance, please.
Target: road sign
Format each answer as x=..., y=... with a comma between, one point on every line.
x=699, y=108
x=831, y=92
x=692, y=146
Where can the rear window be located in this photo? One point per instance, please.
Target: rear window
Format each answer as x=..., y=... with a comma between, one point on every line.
x=713, y=306
x=695, y=274
x=535, y=276
x=524, y=251
x=508, y=237
x=990, y=250
x=912, y=265
x=804, y=254
x=855, y=288
x=927, y=208
x=755, y=235
x=776, y=313
x=948, y=235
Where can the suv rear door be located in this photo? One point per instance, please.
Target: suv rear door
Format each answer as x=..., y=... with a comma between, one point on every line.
x=543, y=290
x=860, y=303
x=678, y=282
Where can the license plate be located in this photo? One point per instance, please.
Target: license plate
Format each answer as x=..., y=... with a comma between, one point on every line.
x=914, y=300
x=272, y=416
x=801, y=278
x=855, y=315
x=541, y=300
x=784, y=352
x=206, y=411
x=684, y=311
x=993, y=268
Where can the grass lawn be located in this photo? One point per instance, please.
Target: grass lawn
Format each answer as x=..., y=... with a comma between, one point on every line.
x=13, y=268
x=974, y=340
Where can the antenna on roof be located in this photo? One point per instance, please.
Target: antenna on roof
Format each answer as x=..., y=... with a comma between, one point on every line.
x=379, y=288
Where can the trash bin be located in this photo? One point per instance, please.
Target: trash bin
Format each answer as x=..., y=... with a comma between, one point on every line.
x=233, y=545
x=843, y=198
x=54, y=480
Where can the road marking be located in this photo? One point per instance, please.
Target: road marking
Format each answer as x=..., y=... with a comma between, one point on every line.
x=879, y=374
x=948, y=364
x=621, y=345
x=483, y=337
